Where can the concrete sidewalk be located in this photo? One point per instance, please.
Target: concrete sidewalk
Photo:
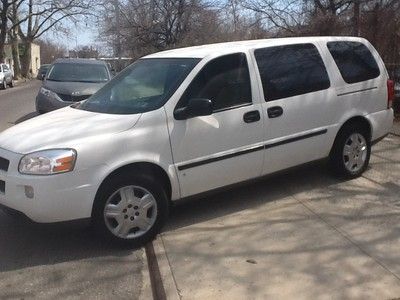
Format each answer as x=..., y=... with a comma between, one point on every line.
x=396, y=127
x=298, y=235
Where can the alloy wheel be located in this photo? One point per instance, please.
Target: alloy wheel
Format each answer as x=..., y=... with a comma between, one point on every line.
x=355, y=152
x=130, y=212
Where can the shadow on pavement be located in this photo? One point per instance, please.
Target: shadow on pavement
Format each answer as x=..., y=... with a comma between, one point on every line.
x=25, y=244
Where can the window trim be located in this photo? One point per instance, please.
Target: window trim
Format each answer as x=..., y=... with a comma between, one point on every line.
x=316, y=47
x=226, y=108
x=337, y=66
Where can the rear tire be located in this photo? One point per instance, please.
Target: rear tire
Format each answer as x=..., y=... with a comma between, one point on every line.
x=11, y=83
x=351, y=151
x=129, y=210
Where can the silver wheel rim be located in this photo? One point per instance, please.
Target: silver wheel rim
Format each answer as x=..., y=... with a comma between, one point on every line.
x=130, y=212
x=355, y=152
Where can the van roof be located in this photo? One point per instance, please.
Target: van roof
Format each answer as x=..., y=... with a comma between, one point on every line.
x=229, y=47
x=79, y=61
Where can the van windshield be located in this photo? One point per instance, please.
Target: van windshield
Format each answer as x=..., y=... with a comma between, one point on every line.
x=144, y=86
x=78, y=72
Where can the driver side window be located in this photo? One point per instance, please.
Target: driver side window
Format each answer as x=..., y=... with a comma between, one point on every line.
x=225, y=81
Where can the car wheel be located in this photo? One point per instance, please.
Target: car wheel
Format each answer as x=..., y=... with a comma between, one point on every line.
x=4, y=84
x=351, y=151
x=130, y=210
x=11, y=83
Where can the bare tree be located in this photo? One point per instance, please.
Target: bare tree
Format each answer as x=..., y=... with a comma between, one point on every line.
x=49, y=51
x=36, y=17
x=5, y=4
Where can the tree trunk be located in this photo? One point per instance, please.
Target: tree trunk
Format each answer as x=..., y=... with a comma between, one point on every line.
x=3, y=28
x=13, y=34
x=26, y=59
x=356, y=18
x=15, y=55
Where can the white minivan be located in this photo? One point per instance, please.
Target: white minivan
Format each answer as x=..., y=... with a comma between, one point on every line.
x=182, y=122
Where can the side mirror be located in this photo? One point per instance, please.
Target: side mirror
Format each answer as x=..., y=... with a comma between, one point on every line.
x=195, y=108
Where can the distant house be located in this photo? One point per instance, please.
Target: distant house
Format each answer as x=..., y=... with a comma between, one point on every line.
x=35, y=57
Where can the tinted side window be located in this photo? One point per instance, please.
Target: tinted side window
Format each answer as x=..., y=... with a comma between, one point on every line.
x=5, y=68
x=225, y=81
x=354, y=60
x=291, y=70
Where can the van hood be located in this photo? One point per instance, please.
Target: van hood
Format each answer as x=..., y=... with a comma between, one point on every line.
x=61, y=128
x=68, y=88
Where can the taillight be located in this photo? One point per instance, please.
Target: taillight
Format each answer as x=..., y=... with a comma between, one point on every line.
x=390, y=92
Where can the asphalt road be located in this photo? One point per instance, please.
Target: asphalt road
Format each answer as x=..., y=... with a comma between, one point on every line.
x=58, y=262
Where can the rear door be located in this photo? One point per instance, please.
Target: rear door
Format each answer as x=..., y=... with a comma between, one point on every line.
x=296, y=106
x=226, y=147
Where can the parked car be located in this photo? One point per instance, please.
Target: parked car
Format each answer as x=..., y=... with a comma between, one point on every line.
x=6, y=77
x=69, y=81
x=397, y=90
x=42, y=71
x=184, y=122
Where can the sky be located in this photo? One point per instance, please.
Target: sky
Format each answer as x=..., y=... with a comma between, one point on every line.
x=80, y=35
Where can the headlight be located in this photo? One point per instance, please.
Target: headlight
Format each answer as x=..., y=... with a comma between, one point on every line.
x=47, y=92
x=48, y=162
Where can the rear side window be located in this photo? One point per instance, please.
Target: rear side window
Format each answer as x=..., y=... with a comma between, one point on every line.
x=354, y=60
x=225, y=81
x=291, y=70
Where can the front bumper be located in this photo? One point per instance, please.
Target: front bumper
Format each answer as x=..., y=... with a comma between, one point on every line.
x=46, y=104
x=57, y=198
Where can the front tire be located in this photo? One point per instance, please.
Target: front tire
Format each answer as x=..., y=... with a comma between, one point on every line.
x=130, y=210
x=351, y=151
x=4, y=84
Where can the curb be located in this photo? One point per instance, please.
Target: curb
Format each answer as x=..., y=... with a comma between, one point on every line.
x=168, y=279
x=145, y=292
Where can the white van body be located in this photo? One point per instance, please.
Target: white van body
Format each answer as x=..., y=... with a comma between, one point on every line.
x=197, y=154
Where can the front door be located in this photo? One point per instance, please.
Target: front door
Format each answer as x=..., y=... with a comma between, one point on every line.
x=226, y=147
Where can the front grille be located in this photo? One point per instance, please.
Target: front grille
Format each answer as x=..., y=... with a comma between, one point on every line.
x=4, y=163
x=71, y=98
x=2, y=186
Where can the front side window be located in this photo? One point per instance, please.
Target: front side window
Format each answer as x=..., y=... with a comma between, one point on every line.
x=144, y=86
x=354, y=60
x=291, y=70
x=78, y=72
x=225, y=81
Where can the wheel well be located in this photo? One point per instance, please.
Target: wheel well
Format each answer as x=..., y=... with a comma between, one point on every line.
x=358, y=120
x=351, y=122
x=144, y=168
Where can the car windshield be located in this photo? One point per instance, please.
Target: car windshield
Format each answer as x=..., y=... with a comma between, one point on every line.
x=145, y=85
x=78, y=72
